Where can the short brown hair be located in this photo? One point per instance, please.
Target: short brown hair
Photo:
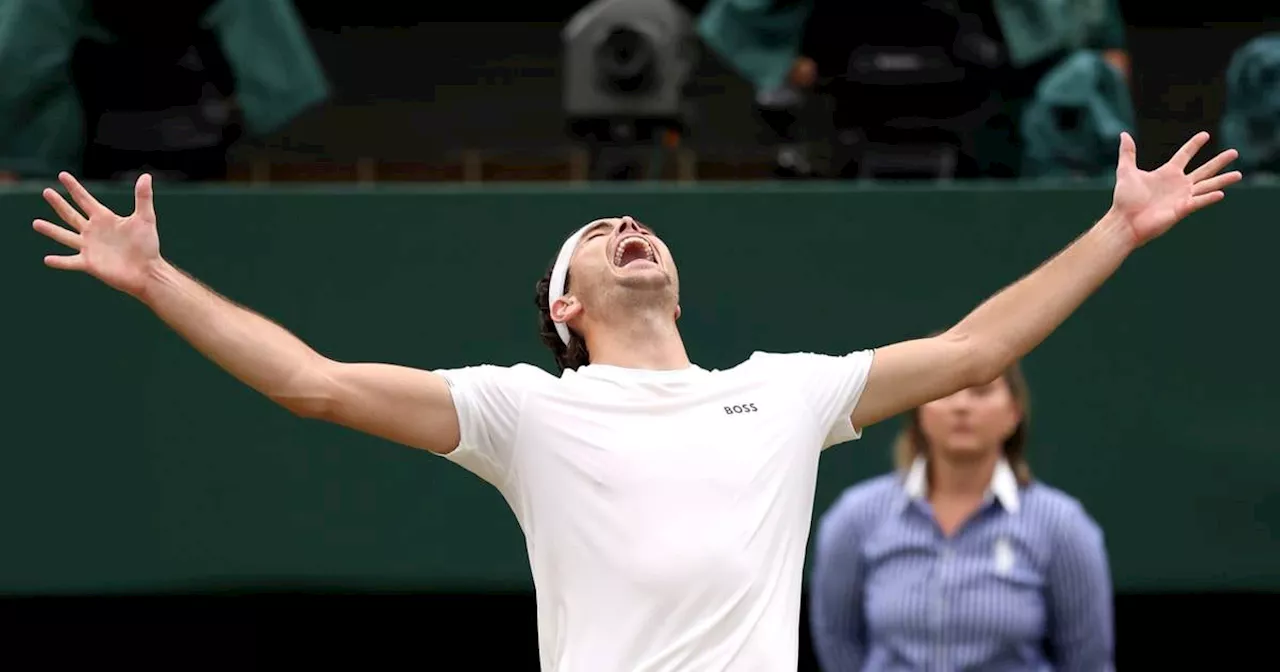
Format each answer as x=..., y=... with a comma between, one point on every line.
x=569, y=356
x=911, y=442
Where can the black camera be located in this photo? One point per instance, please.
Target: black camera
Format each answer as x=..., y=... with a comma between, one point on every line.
x=626, y=66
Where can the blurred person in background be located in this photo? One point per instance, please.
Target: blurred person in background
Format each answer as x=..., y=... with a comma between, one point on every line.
x=112, y=89
x=950, y=76
x=1252, y=110
x=960, y=560
x=1066, y=125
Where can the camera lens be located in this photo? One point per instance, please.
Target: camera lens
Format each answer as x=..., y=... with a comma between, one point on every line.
x=627, y=61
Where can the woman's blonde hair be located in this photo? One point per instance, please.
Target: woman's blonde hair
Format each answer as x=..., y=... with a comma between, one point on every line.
x=911, y=442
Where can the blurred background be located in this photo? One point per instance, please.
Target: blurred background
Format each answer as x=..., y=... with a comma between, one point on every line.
x=726, y=90
x=338, y=167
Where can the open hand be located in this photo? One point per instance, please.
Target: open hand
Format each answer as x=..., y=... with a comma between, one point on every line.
x=1151, y=202
x=120, y=251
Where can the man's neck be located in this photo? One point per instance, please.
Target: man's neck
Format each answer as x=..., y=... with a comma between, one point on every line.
x=961, y=479
x=643, y=342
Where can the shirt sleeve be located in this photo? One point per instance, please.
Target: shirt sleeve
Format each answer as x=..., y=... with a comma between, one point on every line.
x=1080, y=597
x=488, y=400
x=835, y=603
x=831, y=386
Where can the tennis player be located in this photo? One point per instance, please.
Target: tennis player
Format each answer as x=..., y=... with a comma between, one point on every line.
x=665, y=507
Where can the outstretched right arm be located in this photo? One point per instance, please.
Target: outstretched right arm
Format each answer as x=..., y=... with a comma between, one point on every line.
x=408, y=406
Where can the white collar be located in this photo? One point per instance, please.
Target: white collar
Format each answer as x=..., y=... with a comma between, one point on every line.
x=610, y=372
x=1003, y=487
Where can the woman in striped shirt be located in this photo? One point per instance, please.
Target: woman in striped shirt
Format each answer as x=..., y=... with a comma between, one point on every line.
x=960, y=561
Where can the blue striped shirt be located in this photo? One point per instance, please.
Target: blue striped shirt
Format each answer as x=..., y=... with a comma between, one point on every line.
x=1022, y=585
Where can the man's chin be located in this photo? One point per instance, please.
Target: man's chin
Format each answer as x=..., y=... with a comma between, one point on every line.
x=646, y=279
x=642, y=273
x=638, y=266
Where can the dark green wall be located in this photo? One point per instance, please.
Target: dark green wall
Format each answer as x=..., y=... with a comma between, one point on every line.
x=131, y=464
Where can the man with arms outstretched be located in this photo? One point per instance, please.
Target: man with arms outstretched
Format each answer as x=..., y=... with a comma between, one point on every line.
x=665, y=507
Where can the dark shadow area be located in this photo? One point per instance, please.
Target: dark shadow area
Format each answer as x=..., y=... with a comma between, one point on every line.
x=447, y=632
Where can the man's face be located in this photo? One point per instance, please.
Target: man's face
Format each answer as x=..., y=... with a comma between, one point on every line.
x=620, y=266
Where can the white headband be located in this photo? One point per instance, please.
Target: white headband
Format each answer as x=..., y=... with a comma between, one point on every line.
x=559, y=272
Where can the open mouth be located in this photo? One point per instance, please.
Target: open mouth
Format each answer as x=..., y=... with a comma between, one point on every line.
x=634, y=249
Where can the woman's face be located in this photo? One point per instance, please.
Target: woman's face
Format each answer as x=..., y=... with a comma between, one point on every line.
x=971, y=423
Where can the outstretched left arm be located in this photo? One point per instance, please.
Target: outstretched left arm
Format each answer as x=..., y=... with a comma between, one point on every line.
x=1011, y=323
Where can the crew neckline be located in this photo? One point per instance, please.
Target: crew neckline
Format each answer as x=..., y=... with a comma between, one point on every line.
x=611, y=372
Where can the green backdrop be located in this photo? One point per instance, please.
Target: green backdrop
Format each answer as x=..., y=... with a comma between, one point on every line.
x=129, y=463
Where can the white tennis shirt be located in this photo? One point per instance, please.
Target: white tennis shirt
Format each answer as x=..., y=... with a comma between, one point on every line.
x=665, y=513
